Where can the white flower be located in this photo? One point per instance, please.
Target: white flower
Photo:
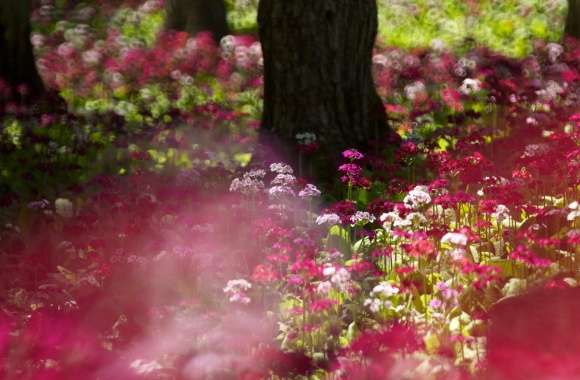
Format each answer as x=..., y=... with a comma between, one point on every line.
x=281, y=168
x=417, y=198
x=575, y=213
x=324, y=287
x=362, y=218
x=310, y=191
x=501, y=213
x=414, y=90
x=236, y=290
x=237, y=285
x=470, y=86
x=328, y=270
x=386, y=289
x=250, y=183
x=341, y=278
x=554, y=51
x=454, y=238
x=283, y=179
x=374, y=304
x=328, y=219
x=142, y=367
x=64, y=207
x=281, y=191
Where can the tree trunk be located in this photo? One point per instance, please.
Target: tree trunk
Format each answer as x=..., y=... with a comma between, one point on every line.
x=17, y=65
x=318, y=71
x=573, y=19
x=194, y=16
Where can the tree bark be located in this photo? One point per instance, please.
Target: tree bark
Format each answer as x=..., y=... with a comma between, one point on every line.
x=17, y=65
x=573, y=20
x=194, y=16
x=318, y=71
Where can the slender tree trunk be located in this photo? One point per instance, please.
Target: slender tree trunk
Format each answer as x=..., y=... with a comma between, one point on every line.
x=194, y=16
x=573, y=19
x=318, y=70
x=17, y=65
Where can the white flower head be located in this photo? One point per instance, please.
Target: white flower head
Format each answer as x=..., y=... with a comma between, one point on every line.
x=341, y=278
x=575, y=213
x=454, y=238
x=385, y=289
x=330, y=219
x=281, y=168
x=309, y=191
x=501, y=213
x=361, y=218
x=470, y=86
x=324, y=287
x=417, y=198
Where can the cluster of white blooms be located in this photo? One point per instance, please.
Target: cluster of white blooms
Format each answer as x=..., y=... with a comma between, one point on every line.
x=250, y=183
x=417, y=198
x=281, y=168
x=550, y=92
x=360, y=218
x=470, y=86
x=554, y=51
x=415, y=90
x=324, y=287
x=455, y=239
x=236, y=290
x=305, y=138
x=142, y=367
x=281, y=185
x=501, y=213
x=392, y=220
x=329, y=218
x=575, y=213
x=339, y=277
x=242, y=56
x=535, y=150
x=375, y=304
x=309, y=191
x=385, y=290
x=281, y=191
x=283, y=180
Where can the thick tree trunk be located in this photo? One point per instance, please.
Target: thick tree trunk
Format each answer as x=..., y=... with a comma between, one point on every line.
x=17, y=65
x=573, y=19
x=194, y=16
x=318, y=71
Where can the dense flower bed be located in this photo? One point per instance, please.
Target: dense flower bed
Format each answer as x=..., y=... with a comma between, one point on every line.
x=136, y=246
